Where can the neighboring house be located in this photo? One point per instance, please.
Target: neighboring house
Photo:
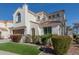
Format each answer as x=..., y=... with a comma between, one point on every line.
x=69, y=31
x=76, y=28
x=27, y=22
x=4, y=28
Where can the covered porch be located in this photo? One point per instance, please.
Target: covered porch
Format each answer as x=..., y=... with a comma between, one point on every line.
x=18, y=30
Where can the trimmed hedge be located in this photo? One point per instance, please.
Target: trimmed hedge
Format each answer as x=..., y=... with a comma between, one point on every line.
x=16, y=37
x=61, y=44
x=44, y=38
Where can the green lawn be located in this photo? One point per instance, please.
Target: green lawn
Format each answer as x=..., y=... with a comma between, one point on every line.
x=19, y=48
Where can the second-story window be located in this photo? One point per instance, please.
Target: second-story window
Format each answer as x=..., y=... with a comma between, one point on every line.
x=49, y=17
x=18, y=17
x=58, y=15
x=53, y=16
x=38, y=17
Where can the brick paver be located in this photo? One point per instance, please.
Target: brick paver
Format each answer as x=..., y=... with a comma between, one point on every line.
x=74, y=49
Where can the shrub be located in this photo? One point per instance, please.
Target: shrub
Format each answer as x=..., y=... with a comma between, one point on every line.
x=28, y=38
x=16, y=37
x=61, y=44
x=44, y=38
x=35, y=39
x=77, y=39
x=74, y=36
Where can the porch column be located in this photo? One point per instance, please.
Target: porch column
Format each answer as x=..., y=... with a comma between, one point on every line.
x=25, y=31
x=24, y=36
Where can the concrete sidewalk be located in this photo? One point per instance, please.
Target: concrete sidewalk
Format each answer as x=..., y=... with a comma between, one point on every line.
x=43, y=53
x=7, y=53
x=4, y=40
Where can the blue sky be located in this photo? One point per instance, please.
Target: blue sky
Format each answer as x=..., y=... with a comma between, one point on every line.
x=71, y=10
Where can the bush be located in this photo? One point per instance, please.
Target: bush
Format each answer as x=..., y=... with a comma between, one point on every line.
x=28, y=38
x=74, y=36
x=77, y=39
x=44, y=38
x=16, y=37
x=35, y=39
x=38, y=40
x=61, y=44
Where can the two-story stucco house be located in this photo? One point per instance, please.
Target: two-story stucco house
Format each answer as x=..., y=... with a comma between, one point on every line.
x=27, y=22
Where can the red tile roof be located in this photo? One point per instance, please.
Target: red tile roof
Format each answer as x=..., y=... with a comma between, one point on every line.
x=8, y=21
x=4, y=29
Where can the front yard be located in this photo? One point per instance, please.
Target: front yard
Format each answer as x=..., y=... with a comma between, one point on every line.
x=20, y=48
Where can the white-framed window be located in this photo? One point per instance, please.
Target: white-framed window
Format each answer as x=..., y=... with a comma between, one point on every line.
x=47, y=30
x=18, y=17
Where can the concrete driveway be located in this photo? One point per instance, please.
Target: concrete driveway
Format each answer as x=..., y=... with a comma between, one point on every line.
x=7, y=53
x=4, y=40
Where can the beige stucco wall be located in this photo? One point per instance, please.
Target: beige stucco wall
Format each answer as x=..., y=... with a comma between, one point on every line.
x=56, y=30
x=22, y=23
x=5, y=34
x=35, y=26
x=29, y=25
x=42, y=15
x=5, y=31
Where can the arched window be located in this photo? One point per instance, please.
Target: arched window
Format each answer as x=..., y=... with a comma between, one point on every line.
x=18, y=17
x=38, y=17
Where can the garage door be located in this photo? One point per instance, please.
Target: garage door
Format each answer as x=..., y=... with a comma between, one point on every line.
x=18, y=31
